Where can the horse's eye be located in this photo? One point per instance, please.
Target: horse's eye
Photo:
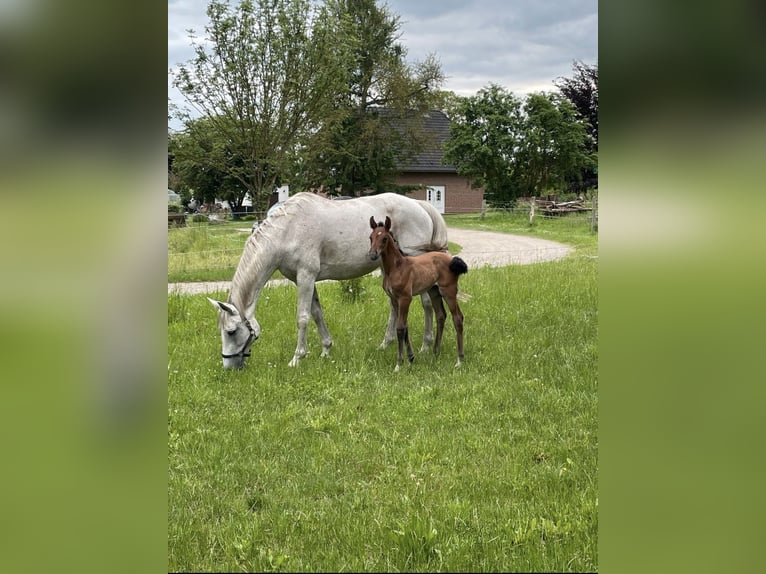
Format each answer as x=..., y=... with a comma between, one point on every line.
x=230, y=332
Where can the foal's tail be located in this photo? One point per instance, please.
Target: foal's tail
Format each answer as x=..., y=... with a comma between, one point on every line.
x=439, y=235
x=458, y=266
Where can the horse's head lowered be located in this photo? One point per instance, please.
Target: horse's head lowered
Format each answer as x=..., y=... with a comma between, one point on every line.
x=237, y=334
x=379, y=238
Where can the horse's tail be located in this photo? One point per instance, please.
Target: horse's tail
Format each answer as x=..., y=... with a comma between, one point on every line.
x=439, y=235
x=458, y=266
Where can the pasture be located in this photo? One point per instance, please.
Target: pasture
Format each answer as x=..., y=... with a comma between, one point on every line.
x=341, y=464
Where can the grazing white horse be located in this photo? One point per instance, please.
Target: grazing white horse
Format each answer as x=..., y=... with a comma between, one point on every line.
x=308, y=239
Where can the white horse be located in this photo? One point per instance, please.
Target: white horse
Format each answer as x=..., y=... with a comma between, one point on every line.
x=309, y=239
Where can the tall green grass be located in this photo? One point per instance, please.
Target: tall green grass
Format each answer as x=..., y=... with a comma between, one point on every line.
x=204, y=252
x=573, y=229
x=342, y=465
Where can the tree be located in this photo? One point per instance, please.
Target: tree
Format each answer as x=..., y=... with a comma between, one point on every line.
x=361, y=144
x=553, y=151
x=485, y=132
x=582, y=91
x=264, y=81
x=514, y=148
x=448, y=102
x=200, y=161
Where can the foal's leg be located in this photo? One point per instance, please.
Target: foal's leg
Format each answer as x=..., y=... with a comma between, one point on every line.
x=402, y=334
x=436, y=301
x=391, y=327
x=450, y=294
x=318, y=315
x=428, y=329
x=305, y=283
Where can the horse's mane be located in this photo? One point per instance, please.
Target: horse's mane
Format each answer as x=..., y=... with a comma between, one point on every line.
x=267, y=236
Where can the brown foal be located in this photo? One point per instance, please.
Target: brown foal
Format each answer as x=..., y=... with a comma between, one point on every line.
x=404, y=276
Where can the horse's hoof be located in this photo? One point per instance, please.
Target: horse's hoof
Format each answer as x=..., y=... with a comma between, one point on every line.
x=396, y=369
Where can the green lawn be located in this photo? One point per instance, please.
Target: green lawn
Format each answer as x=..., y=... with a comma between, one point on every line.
x=205, y=252
x=340, y=464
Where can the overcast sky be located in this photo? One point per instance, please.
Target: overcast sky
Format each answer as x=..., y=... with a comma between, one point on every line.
x=522, y=45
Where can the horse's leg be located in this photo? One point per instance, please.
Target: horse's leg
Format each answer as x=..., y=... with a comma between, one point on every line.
x=450, y=294
x=318, y=315
x=402, y=334
x=305, y=283
x=428, y=329
x=436, y=301
x=391, y=327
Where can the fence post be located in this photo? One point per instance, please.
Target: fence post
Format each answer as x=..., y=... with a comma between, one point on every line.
x=532, y=211
x=593, y=211
x=483, y=208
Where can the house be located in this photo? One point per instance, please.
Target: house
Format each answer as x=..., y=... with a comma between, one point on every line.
x=439, y=184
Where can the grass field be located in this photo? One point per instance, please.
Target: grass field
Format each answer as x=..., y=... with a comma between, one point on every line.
x=210, y=252
x=342, y=465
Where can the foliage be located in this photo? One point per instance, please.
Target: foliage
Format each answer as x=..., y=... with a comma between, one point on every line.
x=202, y=163
x=350, y=289
x=359, y=146
x=515, y=148
x=485, y=132
x=553, y=149
x=264, y=78
x=338, y=465
x=582, y=91
x=448, y=102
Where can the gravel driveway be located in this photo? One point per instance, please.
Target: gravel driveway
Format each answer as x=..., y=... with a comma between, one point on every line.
x=480, y=249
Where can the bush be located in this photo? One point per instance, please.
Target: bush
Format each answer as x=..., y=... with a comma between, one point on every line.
x=199, y=218
x=351, y=289
x=175, y=208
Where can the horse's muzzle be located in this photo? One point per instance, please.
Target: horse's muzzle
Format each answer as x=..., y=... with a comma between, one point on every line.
x=234, y=363
x=373, y=255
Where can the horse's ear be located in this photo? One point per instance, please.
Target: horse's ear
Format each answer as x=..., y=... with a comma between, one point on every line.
x=388, y=223
x=230, y=309
x=372, y=222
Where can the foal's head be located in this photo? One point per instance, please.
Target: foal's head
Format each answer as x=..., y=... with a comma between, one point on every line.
x=379, y=238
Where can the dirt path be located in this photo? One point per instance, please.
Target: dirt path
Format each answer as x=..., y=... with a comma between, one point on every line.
x=488, y=248
x=480, y=249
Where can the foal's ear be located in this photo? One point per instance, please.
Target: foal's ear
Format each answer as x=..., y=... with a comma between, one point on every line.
x=388, y=223
x=372, y=222
x=230, y=309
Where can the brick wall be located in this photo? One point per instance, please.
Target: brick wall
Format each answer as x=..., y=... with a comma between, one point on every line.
x=458, y=194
